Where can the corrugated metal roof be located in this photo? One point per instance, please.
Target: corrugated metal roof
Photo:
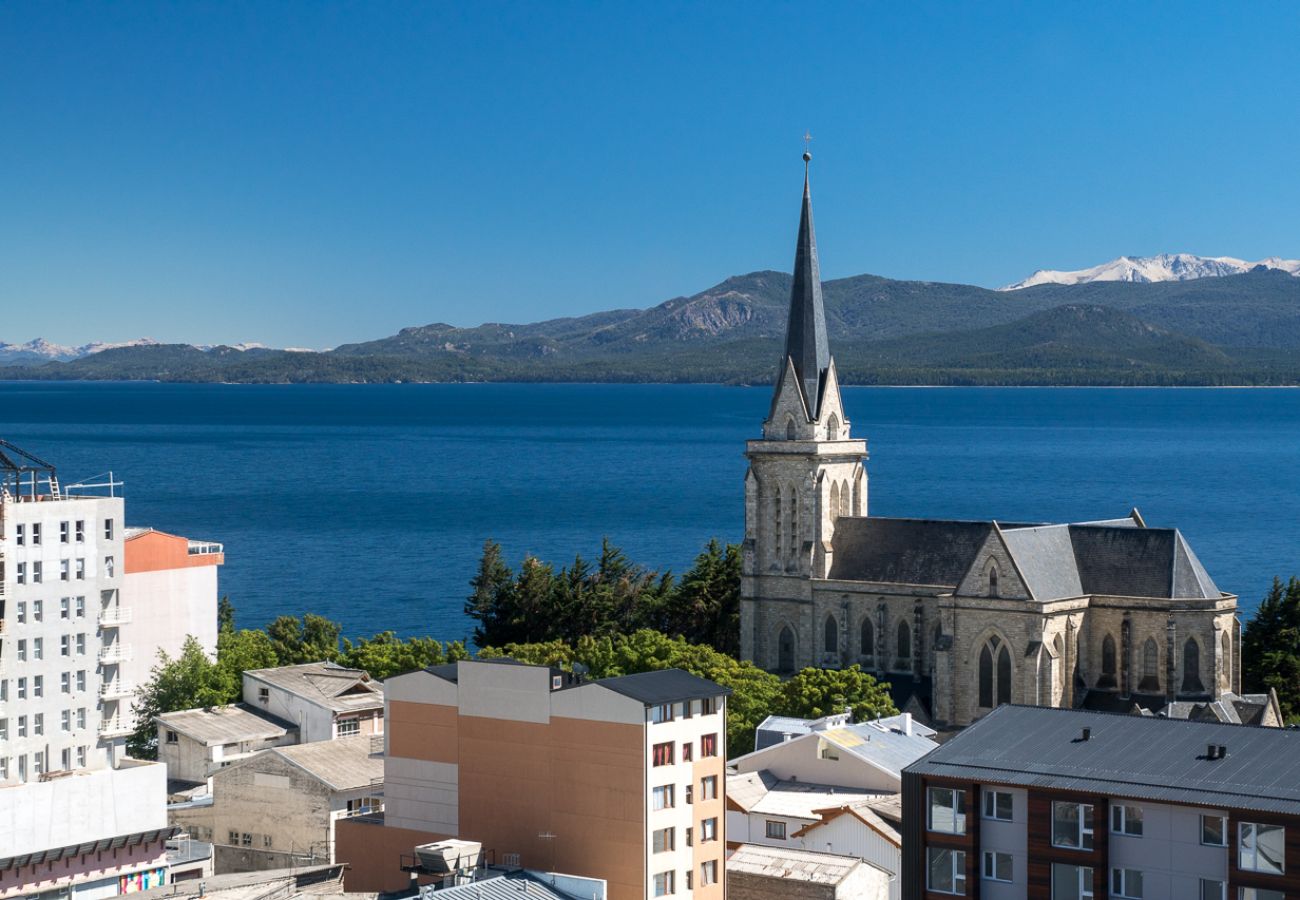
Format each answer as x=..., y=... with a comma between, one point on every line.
x=792, y=865
x=515, y=886
x=1157, y=759
x=225, y=724
x=887, y=748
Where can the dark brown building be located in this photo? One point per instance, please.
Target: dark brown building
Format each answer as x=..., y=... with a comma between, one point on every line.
x=1054, y=804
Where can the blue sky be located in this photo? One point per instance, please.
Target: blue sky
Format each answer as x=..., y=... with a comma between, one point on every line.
x=306, y=174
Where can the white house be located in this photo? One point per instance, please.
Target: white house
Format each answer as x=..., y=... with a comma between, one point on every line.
x=321, y=699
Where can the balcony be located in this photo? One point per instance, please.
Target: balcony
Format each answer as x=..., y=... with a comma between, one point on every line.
x=115, y=653
x=115, y=727
x=114, y=616
x=116, y=690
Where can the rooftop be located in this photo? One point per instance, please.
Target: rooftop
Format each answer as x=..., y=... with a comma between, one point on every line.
x=325, y=684
x=225, y=724
x=793, y=865
x=663, y=686
x=793, y=799
x=510, y=886
x=882, y=743
x=344, y=764
x=773, y=729
x=1143, y=757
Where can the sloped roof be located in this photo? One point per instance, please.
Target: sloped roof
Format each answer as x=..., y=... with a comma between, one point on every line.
x=344, y=764
x=511, y=886
x=326, y=684
x=887, y=748
x=1139, y=562
x=225, y=724
x=793, y=865
x=663, y=686
x=1044, y=557
x=905, y=551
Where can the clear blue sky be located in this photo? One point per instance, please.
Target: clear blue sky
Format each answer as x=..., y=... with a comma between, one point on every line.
x=306, y=174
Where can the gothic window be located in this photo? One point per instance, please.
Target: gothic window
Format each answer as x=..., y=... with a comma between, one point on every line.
x=794, y=524
x=835, y=500
x=1192, y=667
x=1225, y=663
x=1107, y=679
x=1150, y=667
x=986, y=678
x=994, y=674
x=868, y=637
x=776, y=522
x=844, y=499
x=857, y=494
x=831, y=636
x=789, y=429
x=833, y=428
x=904, y=661
x=993, y=581
x=785, y=650
x=1004, y=675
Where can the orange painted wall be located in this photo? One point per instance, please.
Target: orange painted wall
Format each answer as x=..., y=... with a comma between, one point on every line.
x=709, y=809
x=427, y=731
x=373, y=853
x=154, y=551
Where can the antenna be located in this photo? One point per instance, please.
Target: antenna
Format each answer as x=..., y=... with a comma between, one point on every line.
x=807, y=147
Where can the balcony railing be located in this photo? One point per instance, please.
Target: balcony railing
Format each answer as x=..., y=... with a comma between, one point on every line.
x=115, y=727
x=114, y=616
x=115, y=653
x=116, y=690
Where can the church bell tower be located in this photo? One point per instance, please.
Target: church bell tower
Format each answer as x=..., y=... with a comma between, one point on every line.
x=804, y=473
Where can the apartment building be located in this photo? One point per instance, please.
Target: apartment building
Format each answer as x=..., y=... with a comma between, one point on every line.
x=1041, y=803
x=323, y=700
x=621, y=779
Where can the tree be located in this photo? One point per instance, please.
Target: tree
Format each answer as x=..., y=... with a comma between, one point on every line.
x=189, y=681
x=385, y=654
x=1270, y=647
x=225, y=614
x=241, y=651
x=491, y=602
x=814, y=693
x=705, y=607
x=312, y=638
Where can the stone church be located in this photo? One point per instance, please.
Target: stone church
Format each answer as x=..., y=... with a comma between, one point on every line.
x=960, y=616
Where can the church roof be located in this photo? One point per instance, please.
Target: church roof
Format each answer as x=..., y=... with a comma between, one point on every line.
x=806, y=344
x=1054, y=561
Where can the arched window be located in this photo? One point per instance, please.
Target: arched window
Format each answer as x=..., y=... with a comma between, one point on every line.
x=831, y=636
x=794, y=524
x=867, y=648
x=833, y=428
x=777, y=522
x=1004, y=676
x=1107, y=679
x=857, y=495
x=1150, y=667
x=835, y=500
x=789, y=429
x=1225, y=663
x=993, y=581
x=904, y=661
x=986, y=678
x=844, y=499
x=1192, y=667
x=785, y=650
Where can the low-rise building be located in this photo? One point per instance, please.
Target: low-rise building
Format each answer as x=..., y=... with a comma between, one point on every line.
x=322, y=700
x=771, y=873
x=620, y=779
x=194, y=743
x=1036, y=802
x=279, y=807
x=778, y=729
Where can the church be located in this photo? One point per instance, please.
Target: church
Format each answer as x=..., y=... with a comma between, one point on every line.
x=961, y=616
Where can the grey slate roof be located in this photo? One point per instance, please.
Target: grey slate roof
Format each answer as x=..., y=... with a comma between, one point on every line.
x=1044, y=556
x=1139, y=562
x=1141, y=757
x=805, y=334
x=663, y=686
x=905, y=551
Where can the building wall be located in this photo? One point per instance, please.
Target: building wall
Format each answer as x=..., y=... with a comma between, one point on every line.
x=167, y=606
x=800, y=759
x=372, y=849
x=186, y=759
x=315, y=722
x=88, y=875
x=847, y=835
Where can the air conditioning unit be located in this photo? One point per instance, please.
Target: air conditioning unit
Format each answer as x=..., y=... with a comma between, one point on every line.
x=445, y=857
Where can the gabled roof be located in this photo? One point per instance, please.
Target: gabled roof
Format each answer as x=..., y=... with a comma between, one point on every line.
x=1139, y=562
x=1143, y=757
x=795, y=865
x=325, y=684
x=905, y=551
x=879, y=745
x=663, y=686
x=863, y=812
x=225, y=724
x=343, y=764
x=1044, y=557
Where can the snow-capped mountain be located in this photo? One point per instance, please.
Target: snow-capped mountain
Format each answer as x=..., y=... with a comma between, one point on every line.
x=1165, y=267
x=41, y=350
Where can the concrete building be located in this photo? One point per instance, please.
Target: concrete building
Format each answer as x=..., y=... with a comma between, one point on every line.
x=322, y=700
x=195, y=743
x=958, y=617
x=770, y=873
x=620, y=779
x=777, y=729
x=1063, y=804
x=279, y=807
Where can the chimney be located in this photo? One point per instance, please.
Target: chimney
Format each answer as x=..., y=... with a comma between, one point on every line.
x=1223, y=750
x=907, y=723
x=1211, y=751
x=1087, y=735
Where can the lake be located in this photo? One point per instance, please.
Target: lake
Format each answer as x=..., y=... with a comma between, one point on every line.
x=370, y=503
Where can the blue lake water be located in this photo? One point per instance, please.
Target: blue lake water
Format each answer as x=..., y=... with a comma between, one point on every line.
x=370, y=503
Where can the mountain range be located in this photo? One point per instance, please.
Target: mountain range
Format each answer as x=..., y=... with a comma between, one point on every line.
x=1164, y=267
x=1232, y=329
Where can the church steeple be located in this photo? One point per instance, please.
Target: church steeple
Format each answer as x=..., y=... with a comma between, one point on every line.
x=805, y=335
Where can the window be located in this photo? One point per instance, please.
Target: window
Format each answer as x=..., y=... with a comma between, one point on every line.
x=1072, y=826
x=993, y=581
x=708, y=830
x=108, y=529
x=997, y=805
x=81, y=755
x=81, y=679
x=784, y=650
x=65, y=721
x=22, y=650
x=4, y=729
x=828, y=752
x=1126, y=883
x=831, y=636
x=266, y=841
x=81, y=644
x=1214, y=831
x=688, y=707
x=22, y=611
x=709, y=787
x=81, y=569
x=36, y=533
x=38, y=648
x=246, y=839
x=708, y=706
x=664, y=884
x=20, y=573
x=775, y=830
x=38, y=610
x=38, y=723
x=22, y=688
x=65, y=645
x=997, y=865
x=1261, y=848
x=38, y=762
x=20, y=535
x=65, y=608
x=663, y=840
x=37, y=576
x=348, y=727
x=708, y=745
x=81, y=531
x=364, y=806
x=1249, y=893
x=22, y=726
x=948, y=810
x=38, y=685
x=172, y=737
x=688, y=751
x=661, y=713
x=690, y=794
x=663, y=797
x=81, y=607
x=264, y=694
x=108, y=566
x=946, y=870
x=1192, y=667
x=65, y=682
x=233, y=838
x=1126, y=820
x=1107, y=679
x=904, y=661
x=1150, y=667
x=64, y=533
x=689, y=884
x=690, y=837
x=867, y=642
x=1071, y=882
x=662, y=754
x=709, y=872
x=65, y=569
x=81, y=717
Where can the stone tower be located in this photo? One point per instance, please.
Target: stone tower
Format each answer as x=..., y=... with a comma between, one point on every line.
x=804, y=473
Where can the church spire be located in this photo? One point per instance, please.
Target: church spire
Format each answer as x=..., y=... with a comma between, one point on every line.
x=805, y=335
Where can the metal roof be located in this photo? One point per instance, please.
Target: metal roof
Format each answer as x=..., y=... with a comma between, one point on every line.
x=887, y=748
x=225, y=724
x=511, y=886
x=1143, y=757
x=792, y=865
x=663, y=686
x=326, y=684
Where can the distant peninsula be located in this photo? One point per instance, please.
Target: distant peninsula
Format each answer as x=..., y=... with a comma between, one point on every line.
x=1240, y=329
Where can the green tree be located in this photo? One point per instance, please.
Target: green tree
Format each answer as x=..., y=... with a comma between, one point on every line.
x=312, y=638
x=814, y=693
x=190, y=680
x=1270, y=647
x=705, y=607
x=243, y=650
x=225, y=614
x=491, y=601
x=385, y=654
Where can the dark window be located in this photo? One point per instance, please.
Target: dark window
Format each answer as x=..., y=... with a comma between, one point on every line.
x=785, y=650
x=993, y=581
x=1107, y=679
x=789, y=429
x=1004, y=676
x=1150, y=667
x=986, y=678
x=1192, y=667
x=831, y=636
x=868, y=638
x=904, y=662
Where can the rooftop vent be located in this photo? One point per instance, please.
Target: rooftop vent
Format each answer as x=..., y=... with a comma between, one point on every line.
x=1087, y=735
